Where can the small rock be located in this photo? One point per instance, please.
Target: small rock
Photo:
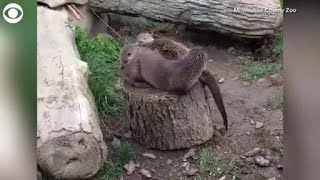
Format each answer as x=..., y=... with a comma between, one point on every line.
x=265, y=152
x=221, y=80
x=243, y=157
x=137, y=165
x=261, y=161
x=246, y=83
x=248, y=133
x=223, y=177
x=253, y=152
x=280, y=166
x=245, y=170
x=235, y=78
x=250, y=160
x=272, y=178
x=116, y=143
x=281, y=119
x=130, y=167
x=265, y=82
x=149, y=155
x=127, y=135
x=259, y=125
x=189, y=154
x=232, y=50
x=195, y=157
x=185, y=164
x=169, y=161
x=252, y=121
x=210, y=60
x=191, y=172
x=146, y=173
x=276, y=79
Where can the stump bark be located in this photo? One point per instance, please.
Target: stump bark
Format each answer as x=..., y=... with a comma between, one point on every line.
x=249, y=19
x=167, y=121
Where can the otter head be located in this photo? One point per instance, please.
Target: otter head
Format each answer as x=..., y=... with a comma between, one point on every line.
x=145, y=38
x=127, y=53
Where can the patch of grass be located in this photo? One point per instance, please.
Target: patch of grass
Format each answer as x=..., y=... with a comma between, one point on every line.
x=208, y=163
x=113, y=170
x=277, y=151
x=277, y=45
x=125, y=153
x=110, y=171
x=256, y=70
x=276, y=102
x=101, y=54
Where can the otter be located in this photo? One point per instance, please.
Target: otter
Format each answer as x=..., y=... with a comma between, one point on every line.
x=146, y=65
x=208, y=79
x=169, y=48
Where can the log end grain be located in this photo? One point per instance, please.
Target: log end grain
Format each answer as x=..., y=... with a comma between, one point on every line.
x=74, y=156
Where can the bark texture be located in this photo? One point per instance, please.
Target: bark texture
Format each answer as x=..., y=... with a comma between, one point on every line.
x=57, y=3
x=217, y=15
x=69, y=139
x=166, y=121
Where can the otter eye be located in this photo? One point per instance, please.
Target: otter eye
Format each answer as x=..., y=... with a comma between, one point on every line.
x=128, y=53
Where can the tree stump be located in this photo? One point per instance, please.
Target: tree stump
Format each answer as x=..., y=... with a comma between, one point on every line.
x=167, y=121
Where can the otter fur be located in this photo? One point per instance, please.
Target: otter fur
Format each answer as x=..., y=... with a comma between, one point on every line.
x=147, y=65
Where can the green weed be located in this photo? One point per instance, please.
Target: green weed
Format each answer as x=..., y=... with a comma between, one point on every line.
x=101, y=54
x=256, y=70
x=208, y=163
x=277, y=150
x=277, y=46
x=276, y=102
x=112, y=170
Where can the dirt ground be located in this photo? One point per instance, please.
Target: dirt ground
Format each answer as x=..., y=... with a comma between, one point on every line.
x=246, y=104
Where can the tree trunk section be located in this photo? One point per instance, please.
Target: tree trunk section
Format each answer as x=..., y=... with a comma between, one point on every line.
x=69, y=139
x=166, y=121
x=218, y=15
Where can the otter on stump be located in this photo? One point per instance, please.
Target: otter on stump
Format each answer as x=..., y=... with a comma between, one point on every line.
x=131, y=73
x=175, y=51
x=146, y=65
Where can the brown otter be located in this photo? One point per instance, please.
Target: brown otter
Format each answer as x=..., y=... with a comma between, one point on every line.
x=146, y=65
x=175, y=51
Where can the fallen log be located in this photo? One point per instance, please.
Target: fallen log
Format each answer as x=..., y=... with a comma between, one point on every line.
x=166, y=121
x=69, y=139
x=240, y=18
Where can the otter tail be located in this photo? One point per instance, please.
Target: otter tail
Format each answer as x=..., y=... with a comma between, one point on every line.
x=208, y=79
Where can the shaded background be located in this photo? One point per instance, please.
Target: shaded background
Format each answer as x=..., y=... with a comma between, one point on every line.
x=18, y=94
